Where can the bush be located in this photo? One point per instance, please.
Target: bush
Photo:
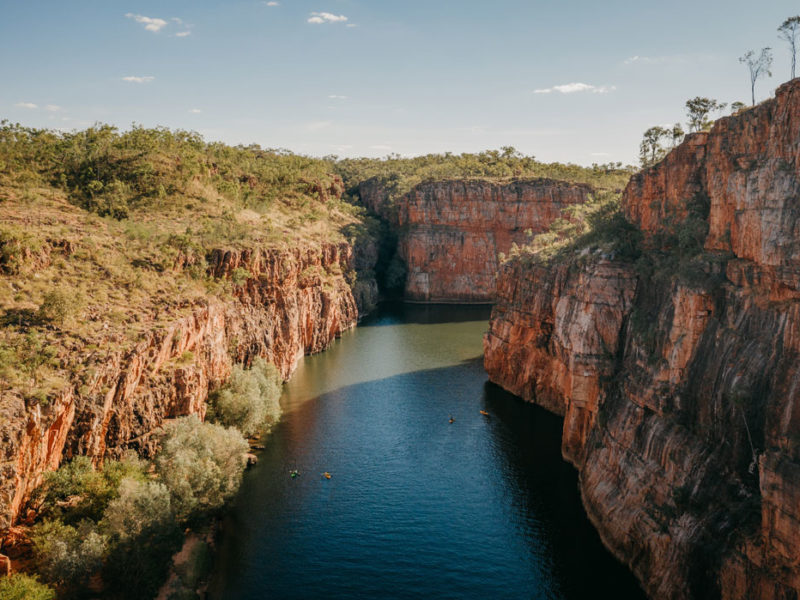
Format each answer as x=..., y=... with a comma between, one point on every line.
x=76, y=491
x=65, y=555
x=201, y=465
x=18, y=586
x=140, y=506
x=56, y=307
x=24, y=587
x=250, y=400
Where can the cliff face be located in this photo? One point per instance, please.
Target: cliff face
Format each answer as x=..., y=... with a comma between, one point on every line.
x=293, y=302
x=679, y=381
x=451, y=232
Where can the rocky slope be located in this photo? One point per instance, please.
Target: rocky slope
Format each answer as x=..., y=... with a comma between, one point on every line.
x=451, y=232
x=679, y=374
x=294, y=302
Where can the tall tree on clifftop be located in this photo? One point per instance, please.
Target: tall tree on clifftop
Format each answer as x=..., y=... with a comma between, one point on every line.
x=759, y=66
x=698, y=109
x=788, y=31
x=651, y=150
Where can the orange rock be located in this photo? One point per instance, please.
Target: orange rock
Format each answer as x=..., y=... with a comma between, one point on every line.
x=451, y=232
x=275, y=314
x=682, y=400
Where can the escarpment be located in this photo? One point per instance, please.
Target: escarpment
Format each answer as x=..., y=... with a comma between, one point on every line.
x=678, y=372
x=289, y=303
x=451, y=232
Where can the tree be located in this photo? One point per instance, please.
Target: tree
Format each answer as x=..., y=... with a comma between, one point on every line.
x=677, y=134
x=698, y=109
x=66, y=555
x=250, y=401
x=759, y=66
x=737, y=106
x=201, y=465
x=651, y=150
x=789, y=31
x=144, y=535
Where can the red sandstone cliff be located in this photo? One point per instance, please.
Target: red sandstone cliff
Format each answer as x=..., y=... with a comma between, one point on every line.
x=451, y=232
x=295, y=302
x=680, y=382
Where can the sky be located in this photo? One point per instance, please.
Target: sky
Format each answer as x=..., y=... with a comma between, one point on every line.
x=563, y=80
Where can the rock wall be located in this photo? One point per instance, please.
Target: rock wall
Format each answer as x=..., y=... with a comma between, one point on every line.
x=294, y=302
x=451, y=232
x=681, y=388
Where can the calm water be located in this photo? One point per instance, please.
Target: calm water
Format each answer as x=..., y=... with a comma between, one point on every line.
x=415, y=507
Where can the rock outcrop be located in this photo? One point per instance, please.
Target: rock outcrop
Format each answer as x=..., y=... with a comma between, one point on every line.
x=451, y=232
x=290, y=303
x=679, y=376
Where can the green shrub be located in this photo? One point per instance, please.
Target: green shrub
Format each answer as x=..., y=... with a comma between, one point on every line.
x=140, y=505
x=201, y=464
x=18, y=586
x=76, y=491
x=240, y=276
x=56, y=307
x=250, y=400
x=65, y=555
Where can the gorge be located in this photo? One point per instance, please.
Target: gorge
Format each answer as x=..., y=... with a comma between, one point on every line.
x=664, y=332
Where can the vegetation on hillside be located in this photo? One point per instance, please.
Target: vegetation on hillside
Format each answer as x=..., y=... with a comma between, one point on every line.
x=597, y=228
x=104, y=237
x=398, y=175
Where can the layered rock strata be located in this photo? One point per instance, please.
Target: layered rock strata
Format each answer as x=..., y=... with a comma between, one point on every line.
x=450, y=233
x=679, y=379
x=293, y=302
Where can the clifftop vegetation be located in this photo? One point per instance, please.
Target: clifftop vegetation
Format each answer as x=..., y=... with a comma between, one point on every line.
x=399, y=175
x=104, y=237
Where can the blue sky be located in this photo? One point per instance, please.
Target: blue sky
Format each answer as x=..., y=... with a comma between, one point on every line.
x=370, y=77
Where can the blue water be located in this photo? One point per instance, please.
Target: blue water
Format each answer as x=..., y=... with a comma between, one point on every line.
x=415, y=507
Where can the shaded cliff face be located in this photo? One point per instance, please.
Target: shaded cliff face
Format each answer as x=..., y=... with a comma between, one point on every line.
x=293, y=302
x=451, y=232
x=679, y=379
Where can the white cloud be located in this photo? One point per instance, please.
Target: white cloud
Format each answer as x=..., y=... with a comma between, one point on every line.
x=337, y=97
x=150, y=23
x=351, y=25
x=574, y=88
x=26, y=105
x=272, y=3
x=195, y=111
x=137, y=79
x=52, y=108
x=380, y=147
x=650, y=60
x=600, y=154
x=325, y=17
x=183, y=33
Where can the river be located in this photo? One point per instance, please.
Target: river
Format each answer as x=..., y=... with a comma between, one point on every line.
x=416, y=506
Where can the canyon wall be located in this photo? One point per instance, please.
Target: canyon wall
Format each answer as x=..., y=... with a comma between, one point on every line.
x=451, y=232
x=678, y=374
x=293, y=302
